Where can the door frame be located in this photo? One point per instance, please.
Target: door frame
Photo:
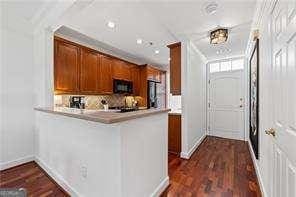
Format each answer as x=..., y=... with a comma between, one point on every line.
x=245, y=91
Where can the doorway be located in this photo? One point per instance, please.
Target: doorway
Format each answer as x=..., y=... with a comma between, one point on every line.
x=226, y=99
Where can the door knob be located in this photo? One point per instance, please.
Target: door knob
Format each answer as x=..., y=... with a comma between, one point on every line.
x=270, y=131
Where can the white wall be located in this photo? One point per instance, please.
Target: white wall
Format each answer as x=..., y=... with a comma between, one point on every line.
x=262, y=165
x=193, y=98
x=126, y=159
x=17, y=95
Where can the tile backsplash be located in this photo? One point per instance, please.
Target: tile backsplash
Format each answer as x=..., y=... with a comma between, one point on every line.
x=93, y=102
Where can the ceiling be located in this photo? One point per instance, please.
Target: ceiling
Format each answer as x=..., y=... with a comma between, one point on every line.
x=158, y=22
x=30, y=11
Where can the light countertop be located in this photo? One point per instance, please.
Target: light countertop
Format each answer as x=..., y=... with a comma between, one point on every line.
x=107, y=117
x=175, y=112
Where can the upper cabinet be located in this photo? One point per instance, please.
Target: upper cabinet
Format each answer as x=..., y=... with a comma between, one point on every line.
x=153, y=74
x=121, y=70
x=66, y=67
x=81, y=70
x=136, y=79
x=175, y=68
x=89, y=72
x=106, y=80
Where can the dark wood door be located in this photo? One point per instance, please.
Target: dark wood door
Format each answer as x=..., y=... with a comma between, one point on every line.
x=174, y=138
x=66, y=67
x=175, y=68
x=89, y=72
x=106, y=80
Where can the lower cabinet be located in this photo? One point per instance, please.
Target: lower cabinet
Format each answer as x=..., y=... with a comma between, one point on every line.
x=174, y=133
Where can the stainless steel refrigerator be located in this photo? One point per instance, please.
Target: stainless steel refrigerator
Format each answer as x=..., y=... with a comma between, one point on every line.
x=155, y=95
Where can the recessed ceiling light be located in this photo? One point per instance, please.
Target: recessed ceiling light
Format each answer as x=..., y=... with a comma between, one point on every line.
x=156, y=51
x=111, y=24
x=139, y=41
x=211, y=8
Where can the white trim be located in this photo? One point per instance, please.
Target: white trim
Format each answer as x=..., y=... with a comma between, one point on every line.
x=191, y=151
x=57, y=178
x=231, y=57
x=161, y=187
x=257, y=169
x=13, y=163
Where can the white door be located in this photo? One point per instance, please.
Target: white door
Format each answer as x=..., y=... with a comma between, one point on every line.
x=282, y=88
x=226, y=104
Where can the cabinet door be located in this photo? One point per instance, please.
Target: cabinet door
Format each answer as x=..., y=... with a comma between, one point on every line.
x=127, y=71
x=174, y=134
x=150, y=73
x=153, y=74
x=136, y=78
x=106, y=80
x=175, y=70
x=89, y=75
x=121, y=70
x=157, y=75
x=66, y=67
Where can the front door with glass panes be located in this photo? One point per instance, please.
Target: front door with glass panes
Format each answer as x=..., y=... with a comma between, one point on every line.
x=226, y=98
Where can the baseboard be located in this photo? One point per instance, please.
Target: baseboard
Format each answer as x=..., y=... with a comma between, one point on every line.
x=10, y=164
x=191, y=151
x=161, y=187
x=257, y=170
x=57, y=178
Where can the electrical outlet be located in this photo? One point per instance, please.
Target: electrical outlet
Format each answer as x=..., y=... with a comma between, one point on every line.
x=84, y=171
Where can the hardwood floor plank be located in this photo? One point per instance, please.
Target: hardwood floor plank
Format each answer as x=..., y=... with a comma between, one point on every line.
x=31, y=177
x=219, y=168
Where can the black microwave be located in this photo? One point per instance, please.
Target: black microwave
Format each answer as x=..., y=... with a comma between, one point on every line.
x=122, y=86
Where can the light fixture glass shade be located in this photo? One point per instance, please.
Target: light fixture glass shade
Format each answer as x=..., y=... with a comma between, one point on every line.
x=218, y=36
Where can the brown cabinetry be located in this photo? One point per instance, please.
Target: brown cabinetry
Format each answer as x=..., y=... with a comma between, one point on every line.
x=174, y=133
x=66, y=68
x=136, y=79
x=175, y=68
x=121, y=70
x=81, y=70
x=106, y=81
x=153, y=74
x=89, y=72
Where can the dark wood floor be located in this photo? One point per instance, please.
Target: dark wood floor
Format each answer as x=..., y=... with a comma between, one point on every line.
x=220, y=167
x=31, y=177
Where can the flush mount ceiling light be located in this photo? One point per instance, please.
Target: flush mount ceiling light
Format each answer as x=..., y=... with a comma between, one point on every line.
x=211, y=8
x=111, y=24
x=156, y=51
x=139, y=41
x=218, y=36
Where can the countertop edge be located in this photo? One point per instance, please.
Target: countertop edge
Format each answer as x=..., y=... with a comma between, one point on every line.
x=102, y=120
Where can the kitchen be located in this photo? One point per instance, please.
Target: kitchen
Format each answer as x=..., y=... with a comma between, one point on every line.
x=98, y=92
x=85, y=72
